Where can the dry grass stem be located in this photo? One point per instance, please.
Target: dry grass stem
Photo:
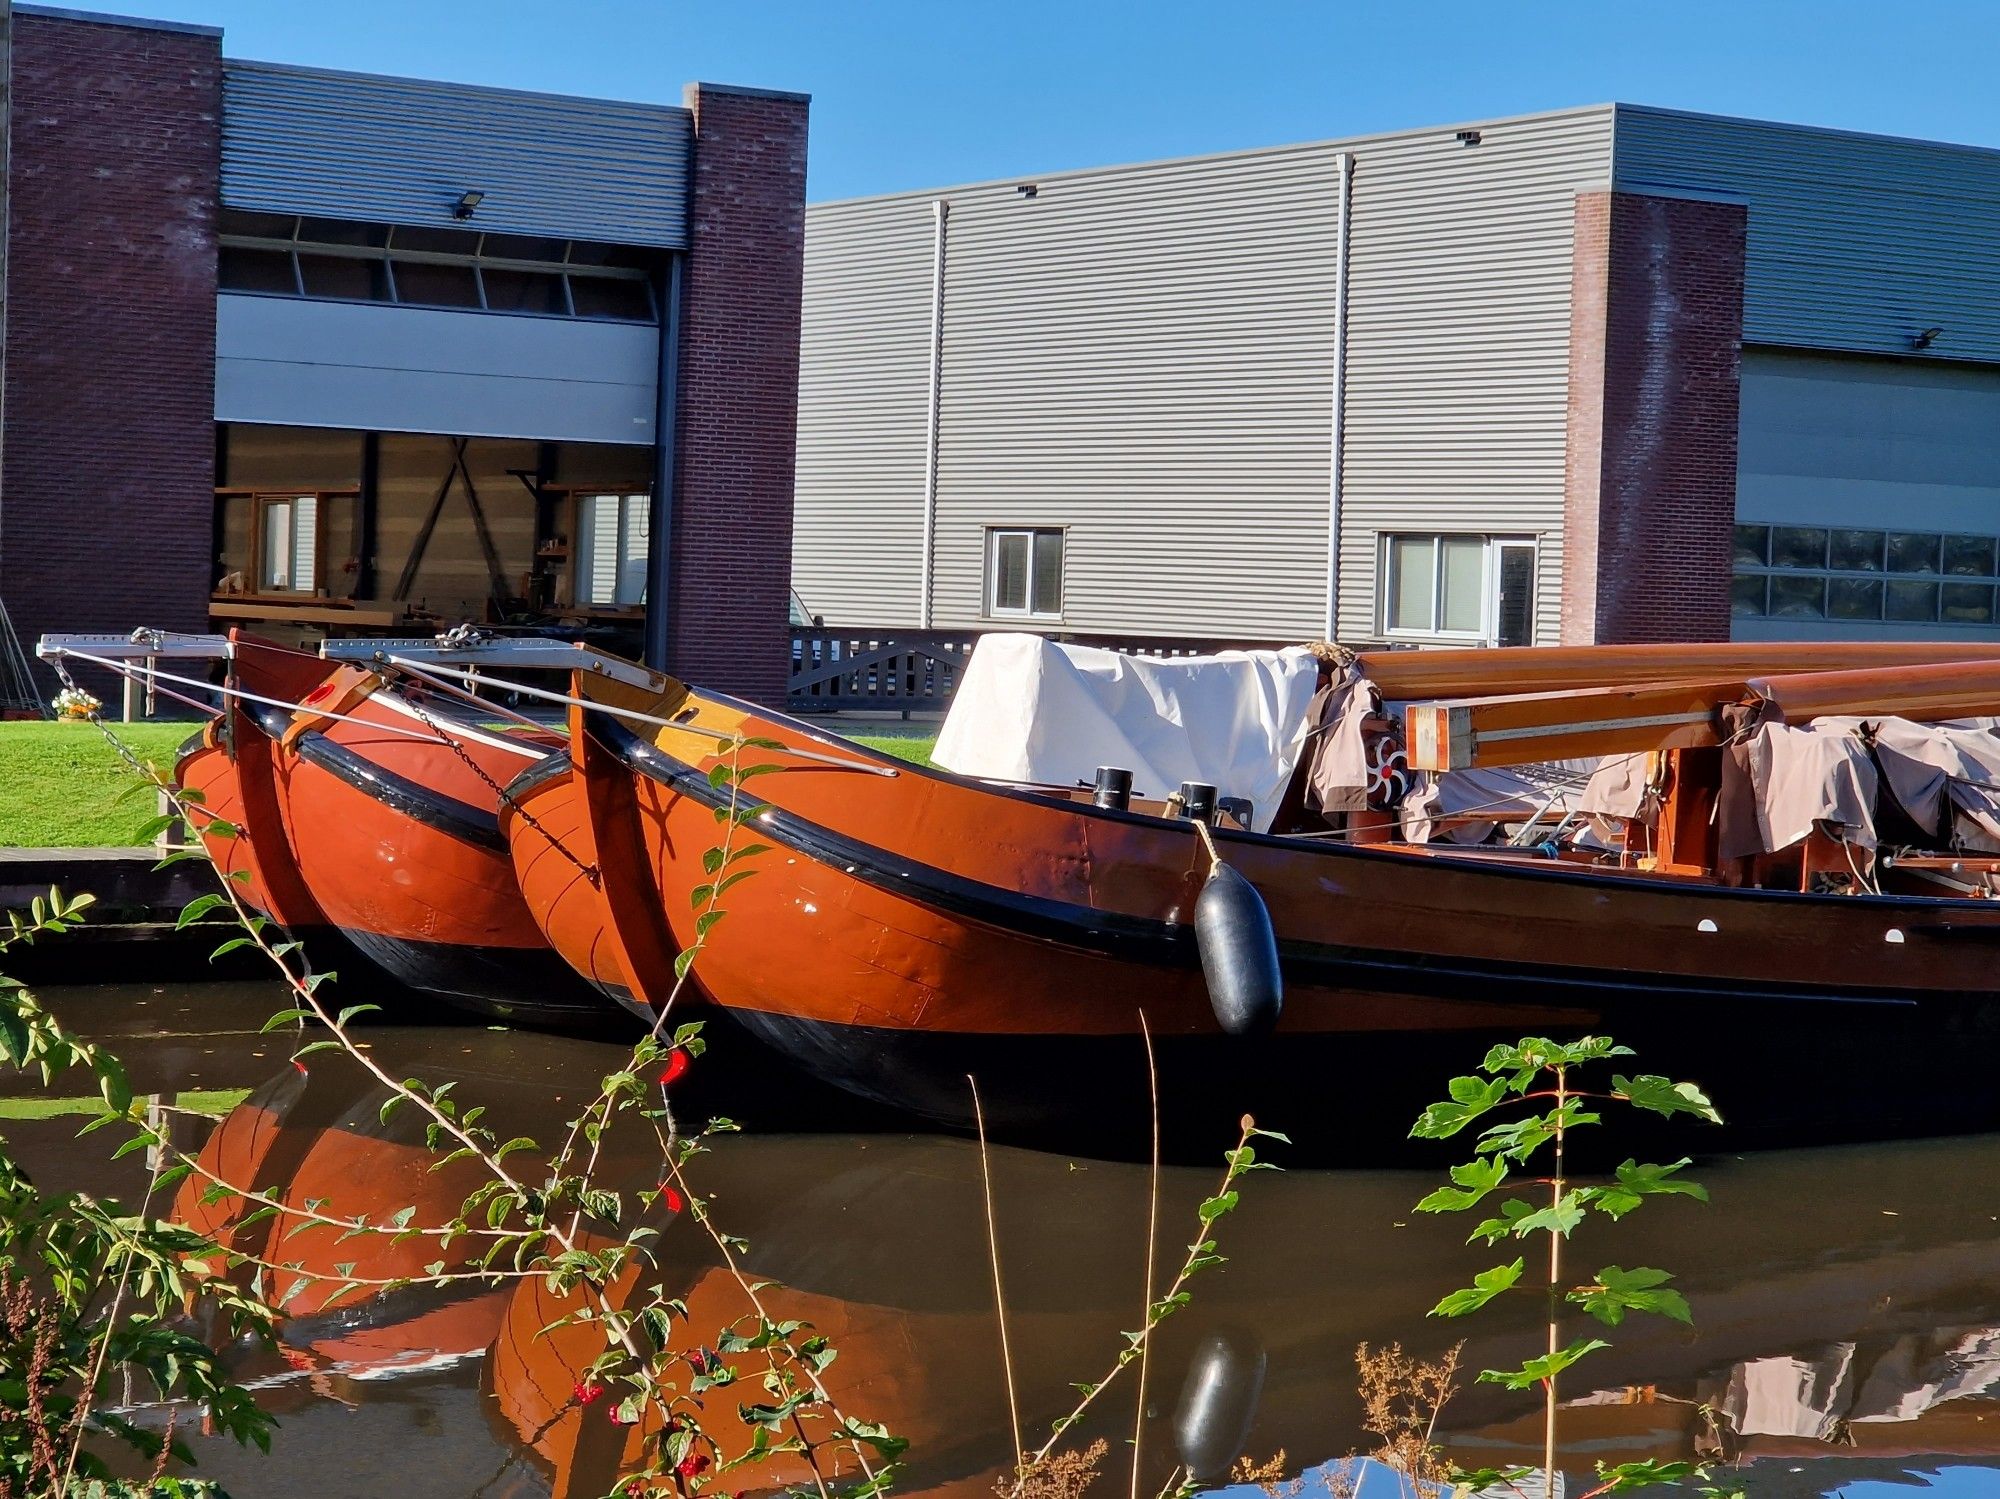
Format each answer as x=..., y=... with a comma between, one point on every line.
x=1059, y=1475
x=1401, y=1400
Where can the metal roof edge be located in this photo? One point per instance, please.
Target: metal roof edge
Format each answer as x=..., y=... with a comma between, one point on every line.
x=298, y=70
x=1344, y=142
x=745, y=91
x=1795, y=128
x=102, y=18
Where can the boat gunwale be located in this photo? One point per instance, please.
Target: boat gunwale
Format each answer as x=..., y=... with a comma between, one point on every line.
x=1326, y=964
x=1555, y=870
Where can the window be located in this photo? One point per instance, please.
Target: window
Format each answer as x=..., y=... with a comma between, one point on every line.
x=1864, y=576
x=276, y=541
x=1459, y=587
x=336, y=260
x=1024, y=573
x=611, y=534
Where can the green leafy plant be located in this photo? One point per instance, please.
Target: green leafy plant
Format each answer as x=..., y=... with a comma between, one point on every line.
x=93, y=1292
x=541, y=1212
x=1536, y=1082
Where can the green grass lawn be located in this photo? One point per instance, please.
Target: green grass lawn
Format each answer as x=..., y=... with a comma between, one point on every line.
x=214, y=1102
x=914, y=747
x=60, y=783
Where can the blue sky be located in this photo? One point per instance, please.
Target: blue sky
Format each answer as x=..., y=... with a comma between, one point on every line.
x=912, y=94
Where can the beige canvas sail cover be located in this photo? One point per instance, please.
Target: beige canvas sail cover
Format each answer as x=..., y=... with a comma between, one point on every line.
x=1034, y=710
x=1782, y=779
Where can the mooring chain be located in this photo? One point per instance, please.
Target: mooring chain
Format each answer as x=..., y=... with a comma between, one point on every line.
x=588, y=871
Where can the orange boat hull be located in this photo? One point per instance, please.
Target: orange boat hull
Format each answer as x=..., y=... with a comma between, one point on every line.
x=397, y=839
x=906, y=928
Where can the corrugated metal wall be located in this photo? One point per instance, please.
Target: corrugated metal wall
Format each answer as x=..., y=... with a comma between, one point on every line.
x=1856, y=242
x=401, y=151
x=1458, y=341
x=864, y=382
x=1144, y=355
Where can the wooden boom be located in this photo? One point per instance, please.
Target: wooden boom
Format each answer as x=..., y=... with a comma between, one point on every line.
x=1425, y=676
x=1521, y=728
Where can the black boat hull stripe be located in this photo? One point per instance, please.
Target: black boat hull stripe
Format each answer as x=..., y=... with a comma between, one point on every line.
x=471, y=825
x=1163, y=943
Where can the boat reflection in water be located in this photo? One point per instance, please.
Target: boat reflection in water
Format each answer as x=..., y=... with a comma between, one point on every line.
x=1817, y=1364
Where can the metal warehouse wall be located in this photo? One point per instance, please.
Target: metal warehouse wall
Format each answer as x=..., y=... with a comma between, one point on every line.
x=1856, y=242
x=1458, y=341
x=864, y=382
x=401, y=150
x=1145, y=355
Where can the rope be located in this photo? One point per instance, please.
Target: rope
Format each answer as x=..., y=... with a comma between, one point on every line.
x=1208, y=842
x=589, y=871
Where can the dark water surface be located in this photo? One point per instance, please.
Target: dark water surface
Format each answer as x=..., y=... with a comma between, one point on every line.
x=1846, y=1301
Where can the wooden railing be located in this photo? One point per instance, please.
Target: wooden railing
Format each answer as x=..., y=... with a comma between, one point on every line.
x=917, y=671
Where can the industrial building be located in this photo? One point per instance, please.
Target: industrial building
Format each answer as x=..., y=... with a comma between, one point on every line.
x=1603, y=374
x=312, y=351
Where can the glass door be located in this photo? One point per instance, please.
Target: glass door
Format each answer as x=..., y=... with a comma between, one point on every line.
x=1513, y=594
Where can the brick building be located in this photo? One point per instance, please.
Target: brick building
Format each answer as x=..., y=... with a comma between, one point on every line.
x=1612, y=374
x=311, y=351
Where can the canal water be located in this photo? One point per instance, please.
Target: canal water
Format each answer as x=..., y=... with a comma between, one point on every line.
x=1846, y=1301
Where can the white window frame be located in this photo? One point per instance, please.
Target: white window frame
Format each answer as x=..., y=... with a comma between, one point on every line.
x=1488, y=632
x=630, y=513
x=994, y=609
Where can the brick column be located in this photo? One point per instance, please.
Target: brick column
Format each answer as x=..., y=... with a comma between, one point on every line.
x=1656, y=342
x=739, y=387
x=108, y=403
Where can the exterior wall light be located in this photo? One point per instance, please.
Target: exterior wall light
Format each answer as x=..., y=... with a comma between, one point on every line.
x=1027, y=189
x=467, y=201
x=1468, y=137
x=1926, y=338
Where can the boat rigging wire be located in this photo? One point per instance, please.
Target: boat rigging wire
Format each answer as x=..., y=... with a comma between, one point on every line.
x=499, y=710
x=531, y=752
x=714, y=736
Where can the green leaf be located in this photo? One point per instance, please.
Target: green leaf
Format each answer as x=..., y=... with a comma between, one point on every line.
x=1485, y=1286
x=199, y=907
x=1559, y=1217
x=1470, y=1097
x=1659, y=1096
x=1215, y=1207
x=1548, y=1366
x=1635, y=1183
x=111, y=1082
x=1512, y=1212
x=1623, y=1478
x=1475, y=1179
x=1618, y=1291
x=13, y=1036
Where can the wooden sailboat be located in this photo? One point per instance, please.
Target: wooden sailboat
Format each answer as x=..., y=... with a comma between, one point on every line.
x=389, y=806
x=353, y=807
x=910, y=927
x=231, y=766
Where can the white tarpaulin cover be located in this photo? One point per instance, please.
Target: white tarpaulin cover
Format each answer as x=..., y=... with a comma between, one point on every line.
x=1029, y=709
